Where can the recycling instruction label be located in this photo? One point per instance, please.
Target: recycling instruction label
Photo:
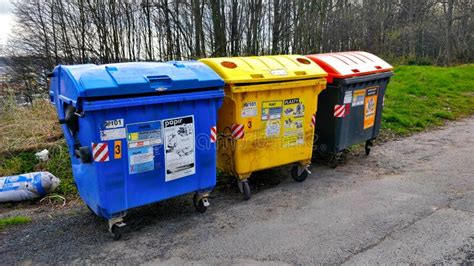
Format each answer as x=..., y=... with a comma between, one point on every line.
x=271, y=117
x=145, y=143
x=180, y=157
x=293, y=113
x=370, y=107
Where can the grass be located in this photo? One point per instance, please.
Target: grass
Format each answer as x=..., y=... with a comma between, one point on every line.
x=28, y=128
x=418, y=98
x=422, y=97
x=58, y=164
x=12, y=221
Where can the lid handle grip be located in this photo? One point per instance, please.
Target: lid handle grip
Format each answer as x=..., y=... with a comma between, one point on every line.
x=160, y=81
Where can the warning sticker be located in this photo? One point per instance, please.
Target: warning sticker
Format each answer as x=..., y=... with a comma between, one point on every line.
x=111, y=134
x=271, y=117
x=370, y=107
x=249, y=109
x=293, y=133
x=145, y=143
x=348, y=97
x=179, y=147
x=358, y=97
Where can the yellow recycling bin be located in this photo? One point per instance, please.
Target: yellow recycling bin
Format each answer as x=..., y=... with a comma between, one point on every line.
x=267, y=118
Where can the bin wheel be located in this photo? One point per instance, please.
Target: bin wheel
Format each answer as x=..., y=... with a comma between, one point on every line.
x=301, y=177
x=200, y=204
x=333, y=161
x=368, y=145
x=246, y=190
x=117, y=231
x=343, y=156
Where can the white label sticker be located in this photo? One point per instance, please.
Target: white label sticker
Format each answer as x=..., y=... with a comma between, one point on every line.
x=151, y=142
x=179, y=147
x=348, y=97
x=249, y=109
x=278, y=72
x=273, y=128
x=111, y=134
x=293, y=137
x=113, y=123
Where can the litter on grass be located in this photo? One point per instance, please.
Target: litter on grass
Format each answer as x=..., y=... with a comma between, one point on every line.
x=27, y=186
x=42, y=155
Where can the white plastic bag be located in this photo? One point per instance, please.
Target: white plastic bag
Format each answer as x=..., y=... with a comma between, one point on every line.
x=27, y=186
x=42, y=155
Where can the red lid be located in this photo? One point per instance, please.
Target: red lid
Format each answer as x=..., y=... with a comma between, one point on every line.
x=350, y=64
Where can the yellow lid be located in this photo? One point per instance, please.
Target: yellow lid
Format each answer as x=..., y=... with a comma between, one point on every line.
x=255, y=69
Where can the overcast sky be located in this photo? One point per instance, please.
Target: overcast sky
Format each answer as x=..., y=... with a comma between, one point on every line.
x=6, y=20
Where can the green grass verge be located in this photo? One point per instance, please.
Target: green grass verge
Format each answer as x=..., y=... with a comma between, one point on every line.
x=421, y=97
x=58, y=164
x=12, y=221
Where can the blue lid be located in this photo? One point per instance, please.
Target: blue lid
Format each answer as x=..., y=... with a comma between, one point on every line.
x=85, y=81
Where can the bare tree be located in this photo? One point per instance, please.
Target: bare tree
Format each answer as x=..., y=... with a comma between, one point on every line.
x=102, y=31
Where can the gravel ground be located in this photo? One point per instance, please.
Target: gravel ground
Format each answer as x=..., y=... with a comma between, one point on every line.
x=410, y=201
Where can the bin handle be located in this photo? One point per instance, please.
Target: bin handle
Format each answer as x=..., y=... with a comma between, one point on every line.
x=81, y=152
x=159, y=81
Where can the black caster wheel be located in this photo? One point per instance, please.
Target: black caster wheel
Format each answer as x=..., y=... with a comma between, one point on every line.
x=368, y=145
x=343, y=157
x=117, y=231
x=200, y=204
x=301, y=177
x=333, y=161
x=246, y=190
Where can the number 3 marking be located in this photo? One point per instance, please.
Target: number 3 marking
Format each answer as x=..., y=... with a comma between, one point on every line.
x=118, y=149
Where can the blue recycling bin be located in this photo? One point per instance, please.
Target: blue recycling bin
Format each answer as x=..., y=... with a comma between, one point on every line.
x=139, y=133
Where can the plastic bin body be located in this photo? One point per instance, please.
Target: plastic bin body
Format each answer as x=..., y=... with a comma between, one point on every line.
x=134, y=126
x=350, y=109
x=266, y=117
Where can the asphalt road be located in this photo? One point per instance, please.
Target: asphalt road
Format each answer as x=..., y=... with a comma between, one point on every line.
x=410, y=201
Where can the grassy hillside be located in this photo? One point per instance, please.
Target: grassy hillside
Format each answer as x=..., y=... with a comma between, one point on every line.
x=418, y=98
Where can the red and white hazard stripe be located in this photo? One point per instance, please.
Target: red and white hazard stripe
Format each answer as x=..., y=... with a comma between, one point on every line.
x=213, y=134
x=100, y=152
x=313, y=120
x=237, y=131
x=339, y=110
